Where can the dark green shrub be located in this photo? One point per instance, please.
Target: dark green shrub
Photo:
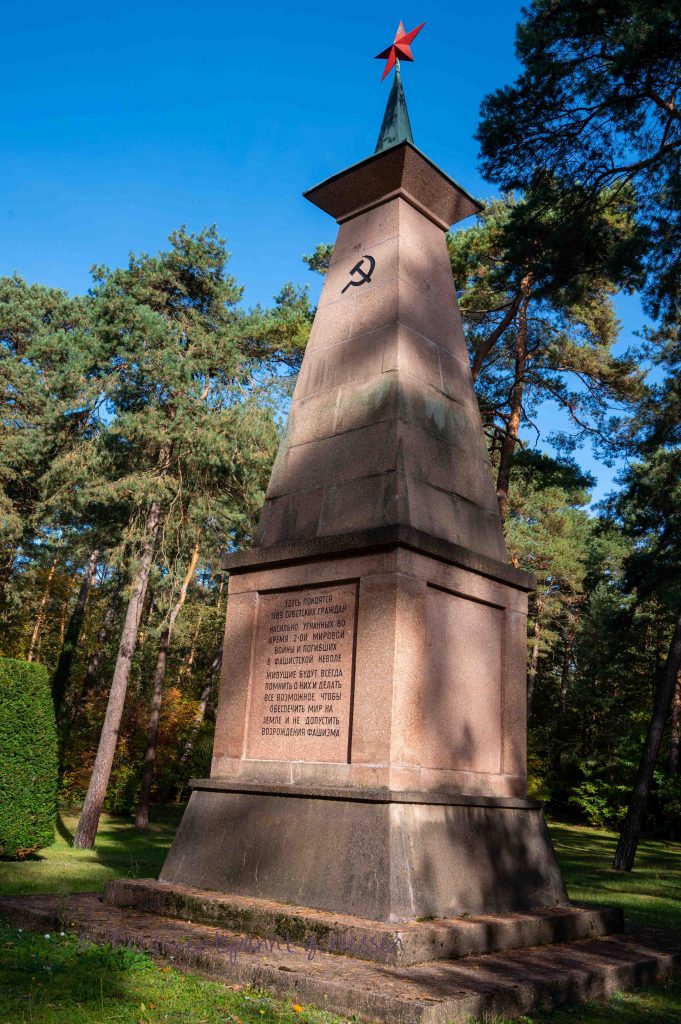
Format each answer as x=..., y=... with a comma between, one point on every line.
x=28, y=759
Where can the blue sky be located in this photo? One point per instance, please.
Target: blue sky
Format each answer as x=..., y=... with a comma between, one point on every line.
x=121, y=123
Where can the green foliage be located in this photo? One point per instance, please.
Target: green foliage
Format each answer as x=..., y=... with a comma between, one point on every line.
x=593, y=695
x=28, y=759
x=649, y=510
x=592, y=797
x=595, y=644
x=549, y=533
x=548, y=530
x=320, y=259
x=667, y=820
x=506, y=264
x=188, y=428
x=46, y=397
x=593, y=108
x=157, y=387
x=277, y=337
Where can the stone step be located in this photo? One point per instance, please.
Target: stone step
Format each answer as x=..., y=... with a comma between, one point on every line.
x=440, y=991
x=404, y=943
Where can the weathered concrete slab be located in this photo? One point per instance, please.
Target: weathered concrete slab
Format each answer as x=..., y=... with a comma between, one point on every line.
x=437, y=992
x=396, y=944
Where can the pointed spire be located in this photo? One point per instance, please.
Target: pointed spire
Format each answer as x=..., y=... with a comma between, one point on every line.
x=396, y=127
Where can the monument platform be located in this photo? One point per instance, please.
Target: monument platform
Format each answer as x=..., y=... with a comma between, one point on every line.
x=404, y=944
x=513, y=982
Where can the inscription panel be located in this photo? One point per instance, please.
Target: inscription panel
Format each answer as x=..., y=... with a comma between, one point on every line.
x=301, y=688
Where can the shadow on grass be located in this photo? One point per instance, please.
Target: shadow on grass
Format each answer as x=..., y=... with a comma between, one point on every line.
x=62, y=981
x=650, y=895
x=120, y=851
x=128, y=851
x=63, y=831
x=38, y=973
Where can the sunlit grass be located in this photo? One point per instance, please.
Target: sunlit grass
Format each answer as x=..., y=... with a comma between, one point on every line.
x=120, y=851
x=650, y=895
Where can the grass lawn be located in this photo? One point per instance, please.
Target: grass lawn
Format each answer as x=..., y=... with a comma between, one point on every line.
x=56, y=981
x=120, y=851
x=650, y=895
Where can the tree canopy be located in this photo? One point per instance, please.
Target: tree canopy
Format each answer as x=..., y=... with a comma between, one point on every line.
x=596, y=107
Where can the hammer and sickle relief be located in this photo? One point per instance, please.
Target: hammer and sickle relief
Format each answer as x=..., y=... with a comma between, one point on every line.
x=364, y=275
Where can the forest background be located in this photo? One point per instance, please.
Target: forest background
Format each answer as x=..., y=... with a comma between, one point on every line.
x=140, y=420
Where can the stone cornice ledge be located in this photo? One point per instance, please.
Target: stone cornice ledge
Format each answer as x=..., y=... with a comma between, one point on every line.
x=251, y=559
x=376, y=795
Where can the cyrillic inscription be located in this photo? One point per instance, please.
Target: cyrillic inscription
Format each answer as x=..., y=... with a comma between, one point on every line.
x=302, y=680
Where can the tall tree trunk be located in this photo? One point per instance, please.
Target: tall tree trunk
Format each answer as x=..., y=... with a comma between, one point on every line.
x=62, y=672
x=631, y=829
x=488, y=343
x=215, y=667
x=5, y=572
x=62, y=622
x=142, y=814
x=676, y=728
x=94, y=800
x=147, y=620
x=565, y=670
x=94, y=664
x=187, y=667
x=40, y=617
x=534, y=656
x=516, y=400
x=91, y=673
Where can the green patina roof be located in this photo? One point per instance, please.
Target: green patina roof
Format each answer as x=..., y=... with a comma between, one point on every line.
x=396, y=127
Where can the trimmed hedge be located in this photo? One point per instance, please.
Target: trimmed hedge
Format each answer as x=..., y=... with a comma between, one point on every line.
x=28, y=759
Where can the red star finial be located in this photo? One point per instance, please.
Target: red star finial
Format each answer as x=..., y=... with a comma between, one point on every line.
x=400, y=49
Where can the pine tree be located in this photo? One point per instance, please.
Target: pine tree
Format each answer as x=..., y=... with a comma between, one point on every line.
x=650, y=510
x=538, y=331
x=548, y=533
x=191, y=439
x=595, y=108
x=142, y=812
x=48, y=406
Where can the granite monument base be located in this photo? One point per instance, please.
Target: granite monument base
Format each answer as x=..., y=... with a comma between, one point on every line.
x=382, y=855
x=398, y=944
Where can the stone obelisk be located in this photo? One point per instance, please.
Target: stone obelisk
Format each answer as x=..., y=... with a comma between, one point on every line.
x=370, y=749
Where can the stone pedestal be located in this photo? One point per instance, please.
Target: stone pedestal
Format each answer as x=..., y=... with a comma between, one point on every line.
x=369, y=754
x=383, y=855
